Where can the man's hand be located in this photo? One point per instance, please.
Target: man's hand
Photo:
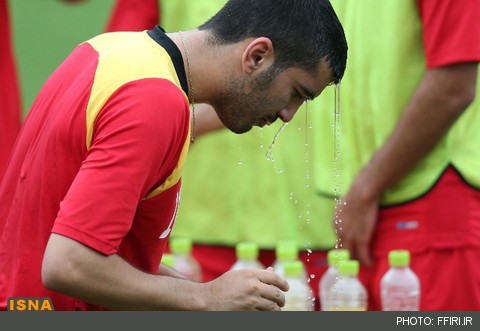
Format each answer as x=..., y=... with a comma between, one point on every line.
x=247, y=289
x=355, y=223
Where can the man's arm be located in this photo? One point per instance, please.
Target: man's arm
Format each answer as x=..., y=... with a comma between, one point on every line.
x=109, y=281
x=442, y=96
x=167, y=271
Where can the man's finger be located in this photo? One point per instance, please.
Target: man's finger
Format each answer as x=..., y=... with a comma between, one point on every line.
x=272, y=278
x=363, y=252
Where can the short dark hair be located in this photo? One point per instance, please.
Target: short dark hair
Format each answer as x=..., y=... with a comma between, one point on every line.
x=303, y=32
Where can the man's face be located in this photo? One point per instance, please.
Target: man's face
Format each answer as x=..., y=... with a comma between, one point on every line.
x=261, y=99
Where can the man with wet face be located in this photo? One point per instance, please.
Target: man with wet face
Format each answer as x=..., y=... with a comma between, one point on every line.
x=106, y=140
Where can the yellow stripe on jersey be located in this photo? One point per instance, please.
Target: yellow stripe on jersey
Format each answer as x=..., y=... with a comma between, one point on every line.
x=125, y=57
x=176, y=174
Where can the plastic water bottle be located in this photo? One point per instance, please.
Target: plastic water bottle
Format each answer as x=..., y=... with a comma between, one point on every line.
x=247, y=256
x=183, y=261
x=400, y=287
x=286, y=251
x=330, y=276
x=167, y=259
x=299, y=296
x=348, y=293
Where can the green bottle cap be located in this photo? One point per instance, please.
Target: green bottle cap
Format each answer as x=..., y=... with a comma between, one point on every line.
x=286, y=250
x=348, y=268
x=168, y=260
x=336, y=255
x=293, y=268
x=247, y=250
x=399, y=258
x=181, y=246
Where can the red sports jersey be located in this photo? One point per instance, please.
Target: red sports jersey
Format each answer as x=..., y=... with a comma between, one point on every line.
x=98, y=160
x=451, y=31
x=134, y=15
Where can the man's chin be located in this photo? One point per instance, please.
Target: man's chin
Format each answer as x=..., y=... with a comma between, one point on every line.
x=240, y=130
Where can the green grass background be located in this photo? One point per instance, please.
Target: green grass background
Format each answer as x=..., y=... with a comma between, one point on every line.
x=46, y=31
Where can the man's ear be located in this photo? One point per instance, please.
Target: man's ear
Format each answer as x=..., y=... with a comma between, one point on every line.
x=259, y=54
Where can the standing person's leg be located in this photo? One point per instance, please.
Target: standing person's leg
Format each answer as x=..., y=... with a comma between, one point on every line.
x=442, y=232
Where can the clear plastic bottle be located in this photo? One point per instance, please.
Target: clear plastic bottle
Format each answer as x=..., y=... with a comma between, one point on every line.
x=183, y=261
x=299, y=296
x=348, y=293
x=167, y=259
x=330, y=276
x=400, y=287
x=247, y=256
x=286, y=251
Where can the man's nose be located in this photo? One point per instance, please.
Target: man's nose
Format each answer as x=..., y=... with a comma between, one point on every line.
x=287, y=113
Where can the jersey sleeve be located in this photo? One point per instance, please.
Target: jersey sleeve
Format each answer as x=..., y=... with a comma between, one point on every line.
x=133, y=15
x=137, y=141
x=451, y=31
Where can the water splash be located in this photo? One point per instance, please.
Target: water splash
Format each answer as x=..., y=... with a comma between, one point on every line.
x=336, y=160
x=269, y=154
x=261, y=138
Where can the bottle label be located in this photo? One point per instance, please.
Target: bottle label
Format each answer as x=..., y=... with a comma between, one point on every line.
x=400, y=303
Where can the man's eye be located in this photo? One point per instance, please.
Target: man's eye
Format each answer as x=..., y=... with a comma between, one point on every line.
x=301, y=96
x=305, y=98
